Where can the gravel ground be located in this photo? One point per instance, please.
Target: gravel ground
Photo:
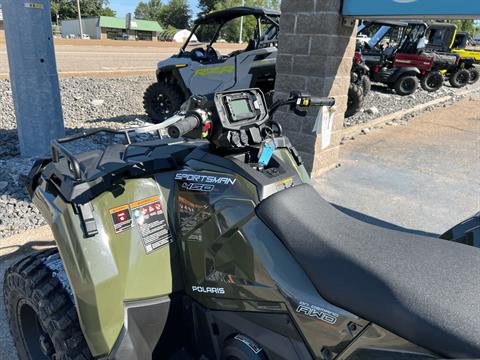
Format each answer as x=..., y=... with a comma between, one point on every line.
x=87, y=103
x=117, y=103
x=383, y=101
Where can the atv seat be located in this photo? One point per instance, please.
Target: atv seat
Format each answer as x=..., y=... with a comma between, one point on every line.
x=423, y=289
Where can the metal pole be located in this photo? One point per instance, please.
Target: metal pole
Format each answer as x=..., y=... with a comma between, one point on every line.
x=80, y=19
x=33, y=74
x=240, y=39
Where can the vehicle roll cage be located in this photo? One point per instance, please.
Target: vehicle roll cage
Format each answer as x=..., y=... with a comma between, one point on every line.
x=221, y=17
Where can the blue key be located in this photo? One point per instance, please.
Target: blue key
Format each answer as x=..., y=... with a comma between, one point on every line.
x=266, y=152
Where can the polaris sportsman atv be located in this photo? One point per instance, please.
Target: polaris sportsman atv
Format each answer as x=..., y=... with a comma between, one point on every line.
x=217, y=247
x=200, y=69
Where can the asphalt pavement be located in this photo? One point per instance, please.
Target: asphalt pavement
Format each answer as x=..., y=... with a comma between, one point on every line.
x=423, y=176
x=92, y=57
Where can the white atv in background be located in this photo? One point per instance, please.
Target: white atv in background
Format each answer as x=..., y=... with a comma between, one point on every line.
x=199, y=69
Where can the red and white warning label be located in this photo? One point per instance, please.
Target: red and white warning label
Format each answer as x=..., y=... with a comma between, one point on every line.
x=122, y=220
x=150, y=221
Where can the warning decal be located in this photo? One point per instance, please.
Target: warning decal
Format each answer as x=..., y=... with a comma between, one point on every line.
x=121, y=218
x=150, y=221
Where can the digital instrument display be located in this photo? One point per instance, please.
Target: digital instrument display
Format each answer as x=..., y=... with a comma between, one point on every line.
x=240, y=109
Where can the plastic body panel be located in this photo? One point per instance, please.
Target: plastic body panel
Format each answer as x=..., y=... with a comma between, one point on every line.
x=237, y=72
x=469, y=54
x=109, y=268
x=232, y=261
x=467, y=232
x=421, y=62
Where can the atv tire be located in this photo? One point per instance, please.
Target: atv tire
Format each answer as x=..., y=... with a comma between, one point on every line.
x=406, y=85
x=460, y=78
x=161, y=100
x=474, y=75
x=42, y=317
x=432, y=82
x=355, y=100
x=366, y=84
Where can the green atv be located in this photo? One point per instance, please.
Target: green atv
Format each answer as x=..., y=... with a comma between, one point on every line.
x=215, y=247
x=200, y=69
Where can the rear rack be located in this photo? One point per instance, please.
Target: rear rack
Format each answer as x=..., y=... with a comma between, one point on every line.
x=58, y=150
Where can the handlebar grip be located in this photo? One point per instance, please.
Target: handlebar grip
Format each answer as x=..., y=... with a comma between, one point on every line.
x=322, y=101
x=183, y=126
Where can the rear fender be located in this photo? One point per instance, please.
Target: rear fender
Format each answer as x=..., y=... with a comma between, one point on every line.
x=406, y=71
x=34, y=175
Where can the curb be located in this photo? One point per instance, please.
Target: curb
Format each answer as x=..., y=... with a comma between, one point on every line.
x=399, y=114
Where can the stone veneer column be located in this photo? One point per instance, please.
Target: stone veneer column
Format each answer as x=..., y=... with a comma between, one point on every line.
x=314, y=55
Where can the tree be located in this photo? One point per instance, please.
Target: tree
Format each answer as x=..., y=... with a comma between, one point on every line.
x=67, y=9
x=206, y=6
x=466, y=25
x=108, y=12
x=176, y=13
x=231, y=30
x=149, y=10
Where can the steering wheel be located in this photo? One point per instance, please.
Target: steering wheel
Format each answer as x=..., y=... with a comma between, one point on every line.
x=199, y=54
x=211, y=53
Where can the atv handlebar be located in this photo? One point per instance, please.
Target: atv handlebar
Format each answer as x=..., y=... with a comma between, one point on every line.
x=184, y=126
x=321, y=101
x=299, y=101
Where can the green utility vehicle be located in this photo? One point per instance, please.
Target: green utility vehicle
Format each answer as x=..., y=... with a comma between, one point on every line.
x=200, y=68
x=215, y=246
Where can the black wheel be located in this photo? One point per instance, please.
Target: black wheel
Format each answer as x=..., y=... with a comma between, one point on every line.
x=431, y=82
x=241, y=347
x=42, y=317
x=161, y=100
x=355, y=100
x=460, y=78
x=366, y=84
x=406, y=85
x=474, y=75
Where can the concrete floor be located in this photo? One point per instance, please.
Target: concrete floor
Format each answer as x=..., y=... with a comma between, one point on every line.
x=423, y=176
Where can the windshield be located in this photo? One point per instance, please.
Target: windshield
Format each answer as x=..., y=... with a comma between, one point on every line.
x=203, y=34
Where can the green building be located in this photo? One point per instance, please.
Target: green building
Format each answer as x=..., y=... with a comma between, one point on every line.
x=107, y=27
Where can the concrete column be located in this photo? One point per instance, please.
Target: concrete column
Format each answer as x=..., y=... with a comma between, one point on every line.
x=33, y=74
x=314, y=55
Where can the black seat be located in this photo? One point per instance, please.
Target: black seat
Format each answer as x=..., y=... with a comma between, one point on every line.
x=423, y=289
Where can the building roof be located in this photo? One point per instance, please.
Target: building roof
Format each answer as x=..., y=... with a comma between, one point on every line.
x=137, y=24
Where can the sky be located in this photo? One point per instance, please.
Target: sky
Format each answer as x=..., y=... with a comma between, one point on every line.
x=125, y=6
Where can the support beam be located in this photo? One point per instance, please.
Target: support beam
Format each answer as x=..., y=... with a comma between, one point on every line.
x=315, y=55
x=33, y=74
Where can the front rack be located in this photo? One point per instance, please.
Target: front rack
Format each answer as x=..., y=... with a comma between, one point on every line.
x=58, y=150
